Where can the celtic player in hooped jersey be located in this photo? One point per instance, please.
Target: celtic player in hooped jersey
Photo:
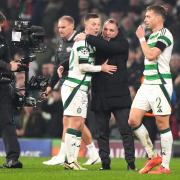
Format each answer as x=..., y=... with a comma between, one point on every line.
x=75, y=87
x=156, y=90
x=82, y=57
x=159, y=69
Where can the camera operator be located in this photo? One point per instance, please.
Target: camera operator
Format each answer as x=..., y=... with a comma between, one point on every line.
x=7, y=126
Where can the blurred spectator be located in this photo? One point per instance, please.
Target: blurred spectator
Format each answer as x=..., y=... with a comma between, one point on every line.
x=84, y=6
x=31, y=123
x=53, y=10
x=47, y=69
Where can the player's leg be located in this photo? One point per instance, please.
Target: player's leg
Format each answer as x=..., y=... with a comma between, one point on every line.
x=91, y=149
x=73, y=131
x=142, y=134
x=72, y=142
x=166, y=139
x=139, y=107
x=60, y=157
x=162, y=110
x=76, y=112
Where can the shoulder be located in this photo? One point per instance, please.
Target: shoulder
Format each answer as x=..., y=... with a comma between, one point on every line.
x=165, y=32
x=81, y=47
x=166, y=36
x=79, y=44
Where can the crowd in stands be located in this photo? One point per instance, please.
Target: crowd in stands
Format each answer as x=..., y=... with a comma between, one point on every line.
x=45, y=120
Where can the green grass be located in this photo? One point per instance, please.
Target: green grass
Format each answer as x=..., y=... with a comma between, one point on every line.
x=34, y=169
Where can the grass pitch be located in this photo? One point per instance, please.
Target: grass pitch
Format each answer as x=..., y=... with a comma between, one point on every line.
x=35, y=170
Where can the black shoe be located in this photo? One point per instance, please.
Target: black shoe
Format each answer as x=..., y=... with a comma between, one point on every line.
x=131, y=167
x=105, y=167
x=13, y=164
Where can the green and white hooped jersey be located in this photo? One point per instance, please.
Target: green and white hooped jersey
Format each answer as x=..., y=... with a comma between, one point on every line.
x=159, y=68
x=81, y=53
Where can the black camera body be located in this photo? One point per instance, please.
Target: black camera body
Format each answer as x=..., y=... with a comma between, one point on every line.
x=39, y=83
x=35, y=83
x=21, y=100
x=30, y=39
x=27, y=36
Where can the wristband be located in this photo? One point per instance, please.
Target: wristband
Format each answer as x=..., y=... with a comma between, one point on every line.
x=142, y=39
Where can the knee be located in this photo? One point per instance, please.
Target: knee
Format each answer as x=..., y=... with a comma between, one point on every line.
x=132, y=122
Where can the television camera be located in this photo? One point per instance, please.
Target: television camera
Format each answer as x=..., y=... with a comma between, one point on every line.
x=30, y=40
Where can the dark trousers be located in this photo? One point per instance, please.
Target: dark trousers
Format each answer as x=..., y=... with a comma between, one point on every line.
x=7, y=126
x=102, y=129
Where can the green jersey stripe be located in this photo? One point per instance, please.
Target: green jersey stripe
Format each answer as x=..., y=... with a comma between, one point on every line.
x=71, y=60
x=151, y=67
x=83, y=60
x=151, y=45
x=82, y=48
x=153, y=36
x=156, y=77
x=165, y=39
x=77, y=81
x=74, y=91
x=165, y=93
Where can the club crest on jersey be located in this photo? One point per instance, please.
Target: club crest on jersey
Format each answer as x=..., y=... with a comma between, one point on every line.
x=84, y=52
x=79, y=110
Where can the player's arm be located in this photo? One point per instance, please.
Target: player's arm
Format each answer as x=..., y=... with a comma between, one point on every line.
x=150, y=53
x=108, y=47
x=104, y=46
x=105, y=67
x=85, y=66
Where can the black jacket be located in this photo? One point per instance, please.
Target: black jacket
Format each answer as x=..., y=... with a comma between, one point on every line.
x=6, y=76
x=4, y=54
x=110, y=92
x=62, y=58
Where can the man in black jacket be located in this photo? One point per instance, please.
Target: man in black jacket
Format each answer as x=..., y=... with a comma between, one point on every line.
x=110, y=92
x=7, y=126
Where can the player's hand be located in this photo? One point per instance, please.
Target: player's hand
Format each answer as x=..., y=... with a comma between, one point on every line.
x=110, y=69
x=80, y=37
x=14, y=65
x=60, y=71
x=140, y=32
x=46, y=93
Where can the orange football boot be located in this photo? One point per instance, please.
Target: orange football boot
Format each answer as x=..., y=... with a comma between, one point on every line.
x=160, y=170
x=150, y=164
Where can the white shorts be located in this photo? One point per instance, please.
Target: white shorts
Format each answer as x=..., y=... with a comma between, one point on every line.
x=151, y=97
x=78, y=103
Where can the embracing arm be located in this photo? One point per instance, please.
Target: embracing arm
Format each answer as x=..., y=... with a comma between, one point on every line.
x=110, y=69
x=111, y=47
